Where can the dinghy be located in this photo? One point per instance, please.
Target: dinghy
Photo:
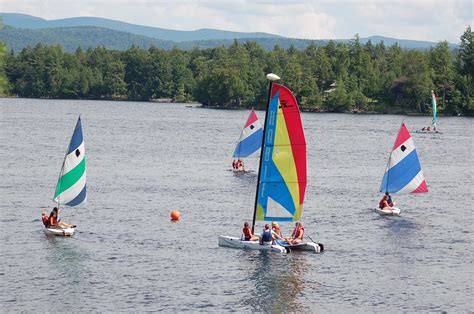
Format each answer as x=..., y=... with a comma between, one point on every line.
x=71, y=187
x=403, y=173
x=432, y=128
x=281, y=182
x=249, y=142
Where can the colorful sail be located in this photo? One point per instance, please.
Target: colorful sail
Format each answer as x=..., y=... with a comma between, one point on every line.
x=433, y=101
x=282, y=181
x=403, y=173
x=251, y=137
x=71, y=187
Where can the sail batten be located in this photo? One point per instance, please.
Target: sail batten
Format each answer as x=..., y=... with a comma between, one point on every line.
x=282, y=180
x=71, y=188
x=403, y=173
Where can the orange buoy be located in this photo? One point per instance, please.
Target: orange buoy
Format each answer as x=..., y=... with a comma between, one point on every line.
x=175, y=214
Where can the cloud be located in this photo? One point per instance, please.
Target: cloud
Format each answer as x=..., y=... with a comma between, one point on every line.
x=432, y=20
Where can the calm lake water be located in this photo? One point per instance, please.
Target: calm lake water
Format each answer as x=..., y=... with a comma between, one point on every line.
x=146, y=159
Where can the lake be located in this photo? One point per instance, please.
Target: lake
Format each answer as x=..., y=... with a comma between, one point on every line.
x=146, y=159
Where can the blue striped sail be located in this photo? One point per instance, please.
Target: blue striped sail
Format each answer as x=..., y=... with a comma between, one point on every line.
x=71, y=188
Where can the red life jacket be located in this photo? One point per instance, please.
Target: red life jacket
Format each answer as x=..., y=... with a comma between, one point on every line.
x=297, y=232
x=247, y=233
x=53, y=221
x=383, y=203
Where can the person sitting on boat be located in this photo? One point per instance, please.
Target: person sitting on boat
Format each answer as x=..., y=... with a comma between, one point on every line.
x=240, y=164
x=384, y=204
x=389, y=200
x=423, y=129
x=234, y=164
x=266, y=237
x=45, y=219
x=428, y=129
x=276, y=231
x=297, y=234
x=247, y=233
x=53, y=221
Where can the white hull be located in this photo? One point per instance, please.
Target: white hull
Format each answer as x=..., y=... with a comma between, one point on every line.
x=394, y=212
x=237, y=243
x=59, y=232
x=305, y=246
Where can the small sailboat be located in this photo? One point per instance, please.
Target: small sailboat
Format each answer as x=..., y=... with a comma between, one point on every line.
x=403, y=173
x=432, y=128
x=71, y=187
x=281, y=182
x=250, y=141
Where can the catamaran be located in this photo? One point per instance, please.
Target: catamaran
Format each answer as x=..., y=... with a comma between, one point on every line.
x=71, y=187
x=432, y=128
x=403, y=173
x=250, y=141
x=281, y=182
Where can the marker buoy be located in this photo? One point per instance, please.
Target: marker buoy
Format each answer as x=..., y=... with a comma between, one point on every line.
x=175, y=214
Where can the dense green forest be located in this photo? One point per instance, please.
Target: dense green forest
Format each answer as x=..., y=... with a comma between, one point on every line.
x=335, y=77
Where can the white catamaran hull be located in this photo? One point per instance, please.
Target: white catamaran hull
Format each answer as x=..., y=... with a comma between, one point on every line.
x=59, y=232
x=305, y=246
x=237, y=243
x=394, y=212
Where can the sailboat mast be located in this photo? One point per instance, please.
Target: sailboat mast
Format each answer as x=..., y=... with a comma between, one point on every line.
x=271, y=77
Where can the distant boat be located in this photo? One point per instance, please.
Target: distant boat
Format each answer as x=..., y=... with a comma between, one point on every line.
x=403, y=173
x=281, y=182
x=71, y=187
x=249, y=142
x=432, y=128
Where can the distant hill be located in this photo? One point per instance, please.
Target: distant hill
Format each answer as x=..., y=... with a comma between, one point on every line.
x=32, y=22
x=70, y=38
x=22, y=30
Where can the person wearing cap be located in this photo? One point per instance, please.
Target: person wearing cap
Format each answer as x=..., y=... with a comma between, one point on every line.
x=54, y=223
x=389, y=200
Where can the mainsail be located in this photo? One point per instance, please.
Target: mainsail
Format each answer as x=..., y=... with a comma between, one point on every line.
x=282, y=176
x=433, y=101
x=403, y=173
x=71, y=187
x=250, y=138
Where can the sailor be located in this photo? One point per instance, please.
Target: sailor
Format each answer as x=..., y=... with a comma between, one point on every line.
x=45, y=219
x=297, y=234
x=276, y=231
x=266, y=237
x=53, y=221
x=423, y=129
x=389, y=200
x=240, y=164
x=234, y=164
x=428, y=129
x=383, y=204
x=247, y=233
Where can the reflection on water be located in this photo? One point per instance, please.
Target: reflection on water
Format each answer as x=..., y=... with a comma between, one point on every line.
x=276, y=281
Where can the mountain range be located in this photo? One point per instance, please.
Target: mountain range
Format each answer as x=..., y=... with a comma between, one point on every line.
x=21, y=30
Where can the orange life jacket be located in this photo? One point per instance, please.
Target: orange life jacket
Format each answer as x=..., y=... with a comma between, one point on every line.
x=45, y=220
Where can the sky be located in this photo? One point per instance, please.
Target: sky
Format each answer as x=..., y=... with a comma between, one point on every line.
x=431, y=20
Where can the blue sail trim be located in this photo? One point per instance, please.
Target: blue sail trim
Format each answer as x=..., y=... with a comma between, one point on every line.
x=401, y=174
x=79, y=198
x=77, y=138
x=249, y=145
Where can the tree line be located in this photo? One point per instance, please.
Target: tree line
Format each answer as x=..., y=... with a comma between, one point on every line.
x=336, y=77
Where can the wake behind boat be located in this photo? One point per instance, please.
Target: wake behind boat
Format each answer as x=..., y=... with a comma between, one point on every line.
x=403, y=173
x=281, y=182
x=71, y=187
